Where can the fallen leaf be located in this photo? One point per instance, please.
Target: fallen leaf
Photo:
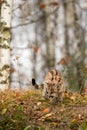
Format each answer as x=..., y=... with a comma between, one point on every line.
x=42, y=6
x=62, y=110
x=3, y=111
x=79, y=116
x=48, y=115
x=54, y=3
x=73, y=120
x=54, y=123
x=45, y=110
x=72, y=98
x=38, y=103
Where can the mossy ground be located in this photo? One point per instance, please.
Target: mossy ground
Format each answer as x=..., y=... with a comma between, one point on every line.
x=28, y=110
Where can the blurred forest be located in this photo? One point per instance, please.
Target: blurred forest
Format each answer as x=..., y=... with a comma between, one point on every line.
x=35, y=37
x=44, y=34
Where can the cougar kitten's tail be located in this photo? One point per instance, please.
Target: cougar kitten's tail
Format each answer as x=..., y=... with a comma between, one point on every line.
x=34, y=83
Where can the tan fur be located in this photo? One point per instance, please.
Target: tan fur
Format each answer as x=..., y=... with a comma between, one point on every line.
x=53, y=86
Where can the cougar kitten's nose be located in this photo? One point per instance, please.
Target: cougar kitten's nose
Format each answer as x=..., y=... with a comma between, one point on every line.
x=51, y=96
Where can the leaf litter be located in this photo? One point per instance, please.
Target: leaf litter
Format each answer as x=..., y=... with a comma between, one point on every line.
x=28, y=110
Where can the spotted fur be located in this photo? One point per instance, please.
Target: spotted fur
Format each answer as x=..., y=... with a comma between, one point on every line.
x=53, y=86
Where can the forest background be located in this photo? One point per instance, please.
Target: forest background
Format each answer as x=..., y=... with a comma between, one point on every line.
x=36, y=36
x=39, y=35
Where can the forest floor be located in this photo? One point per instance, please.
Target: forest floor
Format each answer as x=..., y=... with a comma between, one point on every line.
x=28, y=110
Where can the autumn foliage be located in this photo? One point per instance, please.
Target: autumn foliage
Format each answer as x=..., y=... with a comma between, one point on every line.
x=43, y=5
x=23, y=110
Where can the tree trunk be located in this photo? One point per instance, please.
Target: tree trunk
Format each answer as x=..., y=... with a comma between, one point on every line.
x=50, y=35
x=4, y=44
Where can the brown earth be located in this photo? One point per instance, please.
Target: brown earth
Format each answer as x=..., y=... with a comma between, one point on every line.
x=28, y=110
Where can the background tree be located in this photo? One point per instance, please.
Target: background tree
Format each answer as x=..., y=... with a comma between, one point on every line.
x=5, y=21
x=75, y=44
x=48, y=34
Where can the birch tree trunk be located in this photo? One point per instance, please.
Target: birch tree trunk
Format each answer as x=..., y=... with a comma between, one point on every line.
x=0, y=9
x=5, y=44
